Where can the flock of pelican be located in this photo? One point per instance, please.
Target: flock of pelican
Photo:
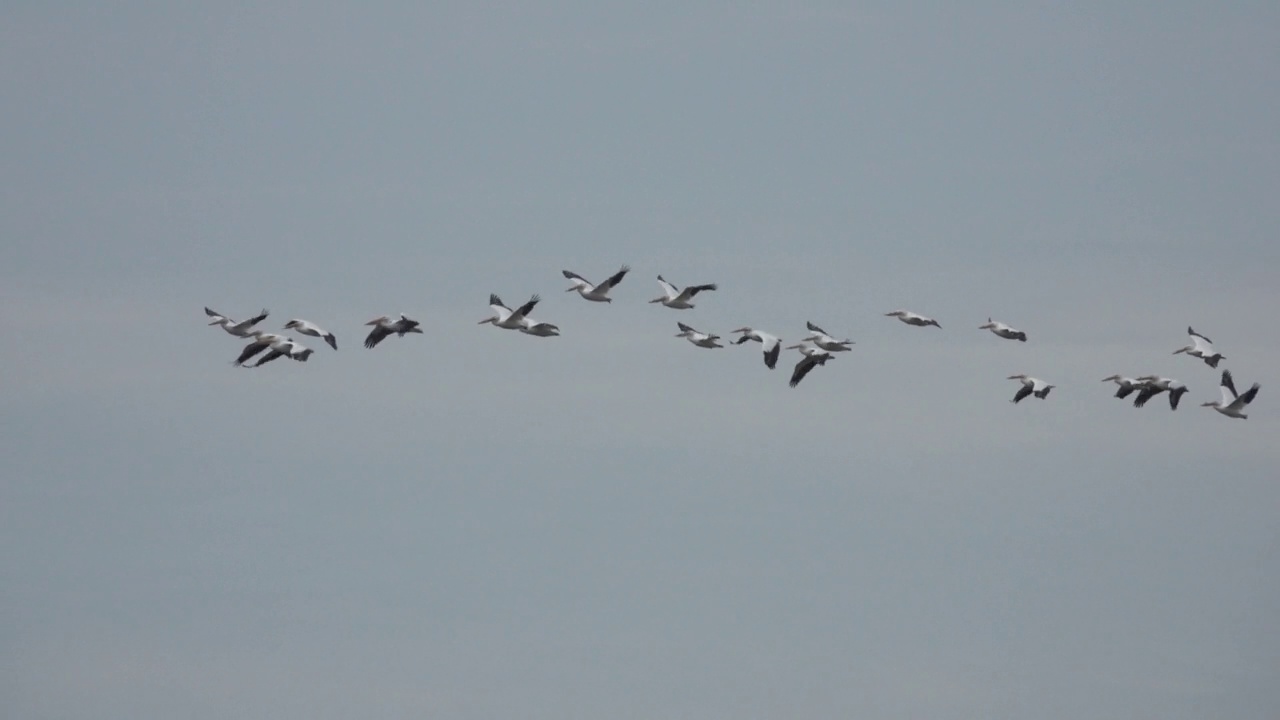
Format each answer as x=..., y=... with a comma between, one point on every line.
x=816, y=348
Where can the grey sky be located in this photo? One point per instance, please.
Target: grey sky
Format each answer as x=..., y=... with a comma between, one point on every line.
x=475, y=523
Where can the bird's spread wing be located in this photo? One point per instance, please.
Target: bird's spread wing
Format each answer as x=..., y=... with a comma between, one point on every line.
x=1175, y=396
x=1023, y=391
x=685, y=328
x=496, y=302
x=1125, y=390
x=667, y=288
x=816, y=329
x=1195, y=334
x=332, y=340
x=570, y=275
x=1146, y=394
x=616, y=278
x=695, y=289
x=802, y=368
x=256, y=318
x=250, y=350
x=376, y=335
x=771, y=354
x=1228, y=384
x=1249, y=394
x=527, y=308
x=214, y=314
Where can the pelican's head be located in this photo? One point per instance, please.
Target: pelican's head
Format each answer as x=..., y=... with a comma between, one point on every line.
x=742, y=330
x=659, y=299
x=989, y=326
x=1111, y=378
x=1016, y=377
x=218, y=321
x=797, y=346
x=493, y=320
x=896, y=313
x=1211, y=403
x=379, y=320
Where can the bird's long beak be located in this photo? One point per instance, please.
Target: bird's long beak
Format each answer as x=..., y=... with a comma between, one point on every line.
x=658, y=300
x=571, y=289
x=486, y=320
x=215, y=322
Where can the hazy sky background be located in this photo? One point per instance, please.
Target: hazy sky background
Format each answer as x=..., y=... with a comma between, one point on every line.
x=474, y=523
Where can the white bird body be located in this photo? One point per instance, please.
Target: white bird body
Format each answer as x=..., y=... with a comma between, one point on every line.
x=771, y=343
x=594, y=293
x=1201, y=347
x=1233, y=405
x=385, y=326
x=1152, y=385
x=1004, y=331
x=813, y=357
x=303, y=327
x=825, y=340
x=242, y=329
x=679, y=299
x=701, y=339
x=911, y=318
x=1126, y=385
x=506, y=318
x=1030, y=386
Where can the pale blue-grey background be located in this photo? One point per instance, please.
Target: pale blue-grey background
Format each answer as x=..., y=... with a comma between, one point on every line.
x=473, y=523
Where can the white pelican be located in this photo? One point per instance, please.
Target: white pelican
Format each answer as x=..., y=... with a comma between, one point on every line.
x=813, y=356
x=825, y=340
x=772, y=345
x=595, y=293
x=1233, y=405
x=1004, y=331
x=1153, y=385
x=539, y=329
x=285, y=346
x=239, y=329
x=1126, y=384
x=1201, y=347
x=303, y=327
x=506, y=318
x=261, y=341
x=679, y=299
x=701, y=339
x=1031, y=386
x=384, y=326
x=911, y=318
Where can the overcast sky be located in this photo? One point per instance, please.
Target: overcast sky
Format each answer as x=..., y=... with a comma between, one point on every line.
x=474, y=523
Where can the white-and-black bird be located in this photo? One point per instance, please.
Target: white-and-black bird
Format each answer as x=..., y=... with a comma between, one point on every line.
x=308, y=328
x=679, y=299
x=772, y=344
x=1153, y=385
x=1201, y=347
x=1030, y=386
x=595, y=293
x=244, y=328
x=385, y=326
x=1233, y=405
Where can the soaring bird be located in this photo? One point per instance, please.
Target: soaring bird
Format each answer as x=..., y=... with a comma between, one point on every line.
x=285, y=347
x=385, y=326
x=594, y=293
x=1233, y=405
x=825, y=340
x=261, y=341
x=506, y=318
x=701, y=339
x=1201, y=347
x=772, y=345
x=1126, y=385
x=1153, y=385
x=911, y=318
x=243, y=328
x=813, y=357
x=1004, y=331
x=1031, y=386
x=306, y=328
x=679, y=299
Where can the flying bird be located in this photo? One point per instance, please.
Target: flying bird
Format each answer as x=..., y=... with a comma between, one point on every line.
x=242, y=329
x=813, y=357
x=701, y=339
x=285, y=347
x=385, y=326
x=1201, y=347
x=594, y=293
x=261, y=341
x=303, y=327
x=1004, y=331
x=679, y=299
x=772, y=345
x=539, y=329
x=1153, y=385
x=825, y=340
x=1126, y=385
x=911, y=318
x=506, y=318
x=1030, y=386
x=1233, y=405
